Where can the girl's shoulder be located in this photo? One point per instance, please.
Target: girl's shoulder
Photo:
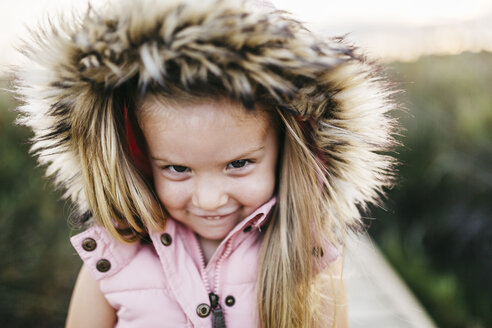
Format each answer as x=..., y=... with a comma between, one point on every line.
x=103, y=254
x=118, y=265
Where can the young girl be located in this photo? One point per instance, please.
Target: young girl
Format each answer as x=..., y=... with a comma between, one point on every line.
x=217, y=153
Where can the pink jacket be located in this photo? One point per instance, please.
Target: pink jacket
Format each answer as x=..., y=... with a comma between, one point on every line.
x=165, y=283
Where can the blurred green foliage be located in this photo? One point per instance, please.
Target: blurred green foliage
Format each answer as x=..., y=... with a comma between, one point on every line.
x=39, y=265
x=436, y=230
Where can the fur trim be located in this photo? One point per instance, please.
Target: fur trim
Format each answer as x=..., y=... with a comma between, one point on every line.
x=76, y=65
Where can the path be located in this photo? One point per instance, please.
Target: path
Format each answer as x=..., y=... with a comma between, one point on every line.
x=376, y=295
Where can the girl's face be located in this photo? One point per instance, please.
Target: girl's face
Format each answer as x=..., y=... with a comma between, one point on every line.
x=213, y=163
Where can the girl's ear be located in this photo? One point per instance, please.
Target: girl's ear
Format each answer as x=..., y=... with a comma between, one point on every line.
x=137, y=152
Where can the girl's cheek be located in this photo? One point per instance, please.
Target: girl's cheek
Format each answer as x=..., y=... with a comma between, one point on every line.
x=259, y=188
x=171, y=194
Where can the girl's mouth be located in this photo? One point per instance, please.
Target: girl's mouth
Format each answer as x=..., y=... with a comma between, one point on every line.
x=213, y=217
x=216, y=216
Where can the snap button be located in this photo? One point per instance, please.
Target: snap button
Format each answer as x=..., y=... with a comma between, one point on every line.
x=89, y=244
x=230, y=300
x=247, y=229
x=318, y=251
x=203, y=310
x=103, y=265
x=166, y=239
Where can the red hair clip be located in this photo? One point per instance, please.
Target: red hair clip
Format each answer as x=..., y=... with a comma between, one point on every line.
x=138, y=156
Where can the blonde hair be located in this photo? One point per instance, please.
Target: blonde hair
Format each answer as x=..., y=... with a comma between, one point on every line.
x=118, y=193
x=292, y=250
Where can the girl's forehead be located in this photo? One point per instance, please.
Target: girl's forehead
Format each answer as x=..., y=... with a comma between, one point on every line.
x=223, y=111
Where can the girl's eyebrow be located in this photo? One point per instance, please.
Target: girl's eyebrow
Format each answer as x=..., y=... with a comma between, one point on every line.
x=160, y=159
x=248, y=153
x=243, y=155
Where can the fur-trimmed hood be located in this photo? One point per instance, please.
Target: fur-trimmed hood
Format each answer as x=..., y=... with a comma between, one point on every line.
x=75, y=65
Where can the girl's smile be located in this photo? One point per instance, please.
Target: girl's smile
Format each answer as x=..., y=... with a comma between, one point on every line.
x=213, y=163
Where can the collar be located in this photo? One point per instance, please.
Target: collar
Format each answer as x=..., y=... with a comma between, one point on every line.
x=255, y=219
x=237, y=235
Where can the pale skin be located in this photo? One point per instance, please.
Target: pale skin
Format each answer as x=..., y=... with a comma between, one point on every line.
x=88, y=306
x=213, y=164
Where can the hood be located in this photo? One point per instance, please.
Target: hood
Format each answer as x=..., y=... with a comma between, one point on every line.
x=75, y=65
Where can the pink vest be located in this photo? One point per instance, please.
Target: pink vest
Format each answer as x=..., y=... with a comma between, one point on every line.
x=165, y=283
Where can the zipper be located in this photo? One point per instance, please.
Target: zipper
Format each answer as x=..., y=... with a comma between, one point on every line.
x=217, y=314
x=203, y=272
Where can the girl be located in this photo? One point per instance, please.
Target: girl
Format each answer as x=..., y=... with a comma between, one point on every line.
x=217, y=153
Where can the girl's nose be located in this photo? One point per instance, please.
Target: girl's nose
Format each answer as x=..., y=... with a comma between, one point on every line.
x=209, y=196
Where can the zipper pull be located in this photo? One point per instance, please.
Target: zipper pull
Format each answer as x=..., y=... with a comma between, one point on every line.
x=217, y=315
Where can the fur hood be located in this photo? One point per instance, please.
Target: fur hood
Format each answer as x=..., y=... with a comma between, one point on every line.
x=76, y=65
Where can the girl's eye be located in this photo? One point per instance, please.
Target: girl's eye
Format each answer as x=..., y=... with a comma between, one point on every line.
x=177, y=168
x=238, y=164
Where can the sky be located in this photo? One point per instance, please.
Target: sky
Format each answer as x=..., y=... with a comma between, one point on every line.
x=410, y=13
x=391, y=29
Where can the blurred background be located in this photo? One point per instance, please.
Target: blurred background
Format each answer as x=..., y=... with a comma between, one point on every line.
x=436, y=227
